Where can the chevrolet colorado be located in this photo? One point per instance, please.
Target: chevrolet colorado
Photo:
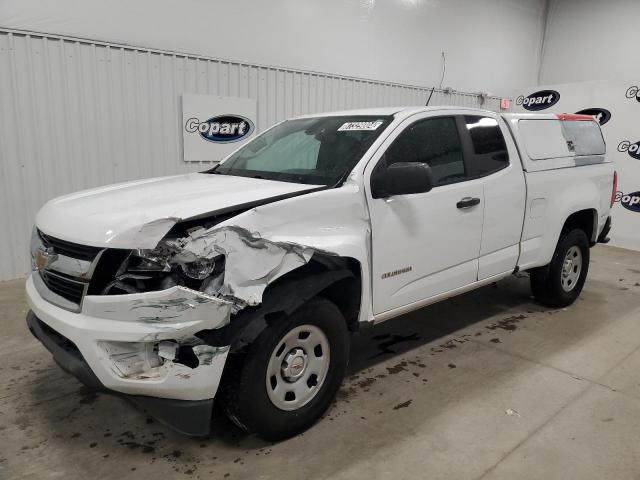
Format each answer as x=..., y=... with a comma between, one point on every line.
x=242, y=283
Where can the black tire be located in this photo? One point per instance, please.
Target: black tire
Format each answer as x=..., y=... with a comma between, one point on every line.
x=244, y=395
x=546, y=282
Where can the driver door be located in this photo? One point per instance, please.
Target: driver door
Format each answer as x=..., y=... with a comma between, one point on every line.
x=425, y=244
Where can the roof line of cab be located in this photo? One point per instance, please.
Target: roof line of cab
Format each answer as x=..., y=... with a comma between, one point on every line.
x=409, y=111
x=385, y=111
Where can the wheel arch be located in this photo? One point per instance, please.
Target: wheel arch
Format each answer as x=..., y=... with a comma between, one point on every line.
x=338, y=279
x=585, y=220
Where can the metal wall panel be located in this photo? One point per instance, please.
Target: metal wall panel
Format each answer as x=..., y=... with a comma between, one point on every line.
x=76, y=114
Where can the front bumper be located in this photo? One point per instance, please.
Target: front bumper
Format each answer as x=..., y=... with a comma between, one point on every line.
x=191, y=417
x=124, y=343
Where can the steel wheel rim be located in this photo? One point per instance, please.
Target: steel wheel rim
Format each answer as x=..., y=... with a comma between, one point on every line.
x=298, y=367
x=571, y=268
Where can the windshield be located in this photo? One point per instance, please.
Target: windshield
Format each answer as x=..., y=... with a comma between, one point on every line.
x=317, y=151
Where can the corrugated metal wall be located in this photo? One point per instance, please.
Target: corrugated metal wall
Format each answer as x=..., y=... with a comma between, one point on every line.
x=76, y=114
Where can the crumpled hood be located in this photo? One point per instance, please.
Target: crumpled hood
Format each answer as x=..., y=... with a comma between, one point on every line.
x=138, y=214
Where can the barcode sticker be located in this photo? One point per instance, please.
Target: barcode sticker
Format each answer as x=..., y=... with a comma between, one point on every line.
x=360, y=126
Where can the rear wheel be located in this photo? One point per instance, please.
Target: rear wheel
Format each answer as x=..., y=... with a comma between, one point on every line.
x=290, y=374
x=560, y=283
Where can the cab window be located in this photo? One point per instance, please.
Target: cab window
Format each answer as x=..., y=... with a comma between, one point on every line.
x=434, y=141
x=489, y=148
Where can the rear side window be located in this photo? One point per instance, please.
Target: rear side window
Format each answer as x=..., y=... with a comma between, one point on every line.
x=489, y=148
x=543, y=139
x=434, y=141
x=547, y=139
x=585, y=137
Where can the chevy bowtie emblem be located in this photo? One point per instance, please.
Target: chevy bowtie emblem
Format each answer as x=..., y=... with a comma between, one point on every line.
x=44, y=257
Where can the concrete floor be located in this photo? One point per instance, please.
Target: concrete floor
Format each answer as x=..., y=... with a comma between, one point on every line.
x=487, y=385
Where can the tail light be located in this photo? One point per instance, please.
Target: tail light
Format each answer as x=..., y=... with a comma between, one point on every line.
x=615, y=188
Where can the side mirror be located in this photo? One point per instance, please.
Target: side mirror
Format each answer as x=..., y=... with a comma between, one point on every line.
x=402, y=178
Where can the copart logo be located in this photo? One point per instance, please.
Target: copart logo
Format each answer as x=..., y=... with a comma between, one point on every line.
x=633, y=92
x=602, y=115
x=538, y=100
x=633, y=149
x=222, y=128
x=630, y=201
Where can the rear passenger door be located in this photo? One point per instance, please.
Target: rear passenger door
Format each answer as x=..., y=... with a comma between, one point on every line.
x=493, y=160
x=425, y=244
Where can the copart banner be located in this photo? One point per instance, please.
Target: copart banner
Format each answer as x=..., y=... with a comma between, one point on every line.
x=213, y=126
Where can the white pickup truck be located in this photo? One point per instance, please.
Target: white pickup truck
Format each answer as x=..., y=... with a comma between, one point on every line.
x=242, y=283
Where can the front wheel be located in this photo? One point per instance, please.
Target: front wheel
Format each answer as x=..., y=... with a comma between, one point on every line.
x=290, y=374
x=560, y=283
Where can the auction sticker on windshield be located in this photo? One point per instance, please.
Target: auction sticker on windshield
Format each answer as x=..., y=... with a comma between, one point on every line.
x=360, y=125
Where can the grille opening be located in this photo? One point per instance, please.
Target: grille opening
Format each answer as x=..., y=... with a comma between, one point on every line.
x=71, y=290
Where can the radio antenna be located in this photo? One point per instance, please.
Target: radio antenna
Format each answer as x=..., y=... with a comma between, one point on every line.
x=444, y=70
x=429, y=99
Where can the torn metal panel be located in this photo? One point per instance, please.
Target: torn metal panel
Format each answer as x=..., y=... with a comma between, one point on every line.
x=206, y=353
x=140, y=368
x=231, y=262
x=167, y=350
x=251, y=262
x=177, y=304
x=129, y=359
x=146, y=235
x=339, y=224
x=149, y=360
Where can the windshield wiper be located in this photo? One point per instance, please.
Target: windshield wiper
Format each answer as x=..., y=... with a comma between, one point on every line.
x=213, y=170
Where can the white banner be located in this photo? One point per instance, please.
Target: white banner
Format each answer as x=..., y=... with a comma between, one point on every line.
x=616, y=105
x=213, y=127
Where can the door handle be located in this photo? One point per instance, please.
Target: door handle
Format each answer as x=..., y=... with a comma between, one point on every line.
x=468, y=202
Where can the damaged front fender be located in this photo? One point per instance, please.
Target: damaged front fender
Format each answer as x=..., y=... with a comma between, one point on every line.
x=251, y=262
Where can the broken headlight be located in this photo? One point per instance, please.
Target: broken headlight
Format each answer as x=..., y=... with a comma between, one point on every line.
x=149, y=261
x=162, y=267
x=200, y=269
x=145, y=270
x=160, y=260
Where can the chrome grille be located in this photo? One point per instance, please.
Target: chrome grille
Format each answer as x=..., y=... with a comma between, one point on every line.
x=67, y=288
x=69, y=249
x=63, y=269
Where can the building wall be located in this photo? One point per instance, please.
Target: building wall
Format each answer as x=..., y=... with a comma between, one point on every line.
x=78, y=114
x=490, y=45
x=591, y=40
